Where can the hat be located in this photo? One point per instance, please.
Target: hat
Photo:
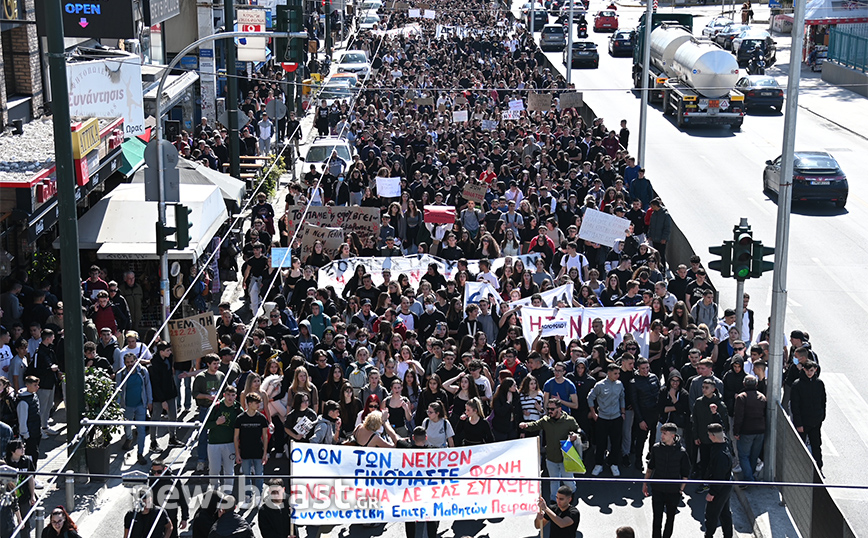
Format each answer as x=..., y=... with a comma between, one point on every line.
x=328, y=330
x=366, y=301
x=620, y=209
x=799, y=335
x=133, y=334
x=105, y=330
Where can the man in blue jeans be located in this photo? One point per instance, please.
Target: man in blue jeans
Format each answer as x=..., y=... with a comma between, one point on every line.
x=136, y=398
x=251, y=441
x=206, y=386
x=749, y=426
x=558, y=426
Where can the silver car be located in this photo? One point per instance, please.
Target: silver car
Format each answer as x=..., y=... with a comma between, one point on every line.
x=552, y=37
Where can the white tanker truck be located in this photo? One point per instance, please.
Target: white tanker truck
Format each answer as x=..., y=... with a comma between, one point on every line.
x=694, y=79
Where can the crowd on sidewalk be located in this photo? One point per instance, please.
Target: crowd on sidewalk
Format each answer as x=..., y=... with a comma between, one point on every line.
x=405, y=364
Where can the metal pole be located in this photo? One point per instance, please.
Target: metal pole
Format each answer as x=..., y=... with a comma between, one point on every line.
x=532, y=13
x=158, y=131
x=70, y=490
x=782, y=242
x=232, y=94
x=570, y=44
x=40, y=520
x=73, y=339
x=328, y=29
x=645, y=87
x=739, y=307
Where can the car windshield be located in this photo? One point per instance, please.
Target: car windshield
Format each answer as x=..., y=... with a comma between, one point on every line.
x=335, y=91
x=553, y=30
x=818, y=160
x=370, y=19
x=622, y=35
x=584, y=46
x=607, y=13
x=318, y=154
x=353, y=58
x=764, y=82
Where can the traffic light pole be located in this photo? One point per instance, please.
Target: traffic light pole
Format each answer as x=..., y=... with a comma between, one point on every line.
x=158, y=128
x=232, y=94
x=739, y=309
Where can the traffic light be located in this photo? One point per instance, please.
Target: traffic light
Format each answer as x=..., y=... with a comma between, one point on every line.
x=758, y=265
x=724, y=264
x=164, y=244
x=183, y=225
x=742, y=251
x=289, y=19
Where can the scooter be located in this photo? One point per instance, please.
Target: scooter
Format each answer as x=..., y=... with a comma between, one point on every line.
x=582, y=29
x=757, y=66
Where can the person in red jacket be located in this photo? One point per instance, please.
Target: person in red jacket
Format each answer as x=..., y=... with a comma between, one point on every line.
x=544, y=245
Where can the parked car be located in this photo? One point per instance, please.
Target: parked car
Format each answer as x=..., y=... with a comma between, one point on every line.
x=540, y=17
x=729, y=32
x=816, y=177
x=606, y=21
x=715, y=25
x=552, y=37
x=621, y=42
x=580, y=6
x=583, y=53
x=743, y=45
x=761, y=91
x=368, y=20
x=354, y=61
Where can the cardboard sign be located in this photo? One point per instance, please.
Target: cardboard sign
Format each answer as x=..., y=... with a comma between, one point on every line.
x=459, y=116
x=424, y=101
x=331, y=239
x=388, y=187
x=400, y=483
x=603, y=228
x=571, y=100
x=475, y=192
x=193, y=337
x=511, y=115
x=361, y=220
x=539, y=102
x=441, y=107
x=460, y=100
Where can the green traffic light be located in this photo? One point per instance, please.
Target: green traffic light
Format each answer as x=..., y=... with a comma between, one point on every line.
x=743, y=272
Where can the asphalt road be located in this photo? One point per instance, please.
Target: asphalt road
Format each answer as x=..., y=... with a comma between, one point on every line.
x=710, y=177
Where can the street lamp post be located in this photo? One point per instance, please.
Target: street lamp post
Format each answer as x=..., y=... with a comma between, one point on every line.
x=158, y=128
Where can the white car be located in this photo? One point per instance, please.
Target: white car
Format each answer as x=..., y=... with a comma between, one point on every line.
x=368, y=19
x=371, y=5
x=715, y=25
x=321, y=149
x=354, y=61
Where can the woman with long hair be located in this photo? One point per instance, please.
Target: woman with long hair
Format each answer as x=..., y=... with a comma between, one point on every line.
x=354, y=282
x=510, y=245
x=60, y=525
x=398, y=410
x=368, y=433
x=411, y=388
x=488, y=247
x=350, y=407
x=680, y=315
x=253, y=385
x=432, y=392
x=439, y=430
x=317, y=258
x=506, y=406
x=413, y=219
x=301, y=384
x=463, y=389
x=610, y=295
x=475, y=430
x=528, y=287
x=454, y=317
x=331, y=389
x=299, y=423
x=658, y=309
x=531, y=398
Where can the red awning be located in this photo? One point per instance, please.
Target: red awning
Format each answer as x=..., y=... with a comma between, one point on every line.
x=843, y=20
x=439, y=214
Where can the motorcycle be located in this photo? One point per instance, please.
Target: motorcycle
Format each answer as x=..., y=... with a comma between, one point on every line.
x=583, y=29
x=757, y=66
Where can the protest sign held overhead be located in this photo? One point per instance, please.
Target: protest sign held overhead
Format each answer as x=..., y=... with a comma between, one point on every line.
x=361, y=220
x=602, y=228
x=331, y=239
x=475, y=192
x=193, y=337
x=388, y=187
x=413, y=485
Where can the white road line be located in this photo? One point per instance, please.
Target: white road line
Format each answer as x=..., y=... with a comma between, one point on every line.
x=845, y=287
x=841, y=390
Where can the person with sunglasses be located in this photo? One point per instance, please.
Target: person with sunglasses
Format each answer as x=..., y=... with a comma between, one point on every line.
x=167, y=490
x=558, y=426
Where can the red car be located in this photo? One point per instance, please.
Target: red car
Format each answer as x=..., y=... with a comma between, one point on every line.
x=606, y=21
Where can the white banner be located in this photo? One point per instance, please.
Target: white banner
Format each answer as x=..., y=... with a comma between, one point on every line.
x=389, y=187
x=459, y=116
x=559, y=326
x=414, y=13
x=603, y=228
x=476, y=291
x=429, y=14
x=413, y=485
x=516, y=104
x=338, y=272
x=108, y=89
x=550, y=298
x=617, y=321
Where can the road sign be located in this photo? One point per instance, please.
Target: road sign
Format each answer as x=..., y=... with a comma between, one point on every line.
x=171, y=179
x=251, y=49
x=289, y=67
x=774, y=4
x=275, y=109
x=243, y=119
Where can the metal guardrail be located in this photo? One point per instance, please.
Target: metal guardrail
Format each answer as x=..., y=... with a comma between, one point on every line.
x=813, y=510
x=849, y=50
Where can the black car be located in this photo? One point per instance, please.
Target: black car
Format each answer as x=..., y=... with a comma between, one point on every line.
x=729, y=32
x=621, y=42
x=761, y=91
x=743, y=47
x=816, y=177
x=583, y=53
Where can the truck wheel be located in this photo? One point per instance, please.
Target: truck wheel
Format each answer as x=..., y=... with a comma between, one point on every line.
x=680, y=118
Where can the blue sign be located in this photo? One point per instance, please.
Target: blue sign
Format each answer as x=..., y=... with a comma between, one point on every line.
x=206, y=53
x=190, y=62
x=775, y=4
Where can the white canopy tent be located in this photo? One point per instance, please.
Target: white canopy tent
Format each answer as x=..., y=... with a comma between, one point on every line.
x=122, y=225
x=835, y=12
x=192, y=173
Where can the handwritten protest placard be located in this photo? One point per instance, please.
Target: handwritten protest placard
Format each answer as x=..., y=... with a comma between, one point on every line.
x=474, y=191
x=570, y=100
x=361, y=220
x=603, y=228
x=511, y=115
x=331, y=239
x=414, y=13
x=516, y=104
x=397, y=485
x=460, y=100
x=193, y=337
x=459, y=116
x=424, y=101
x=281, y=257
x=388, y=187
x=539, y=101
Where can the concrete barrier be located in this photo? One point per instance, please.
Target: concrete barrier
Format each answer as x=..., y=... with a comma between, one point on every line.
x=839, y=75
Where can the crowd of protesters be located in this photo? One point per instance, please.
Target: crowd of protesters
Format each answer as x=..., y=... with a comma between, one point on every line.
x=401, y=364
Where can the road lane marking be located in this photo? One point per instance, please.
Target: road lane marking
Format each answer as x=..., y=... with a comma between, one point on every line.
x=841, y=284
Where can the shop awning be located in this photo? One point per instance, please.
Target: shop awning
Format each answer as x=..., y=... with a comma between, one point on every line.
x=122, y=225
x=133, y=156
x=191, y=173
x=830, y=12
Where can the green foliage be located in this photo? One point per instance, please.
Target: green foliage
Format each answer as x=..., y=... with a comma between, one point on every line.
x=43, y=265
x=98, y=389
x=273, y=174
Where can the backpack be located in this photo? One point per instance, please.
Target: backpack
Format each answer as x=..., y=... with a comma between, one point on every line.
x=427, y=421
x=358, y=375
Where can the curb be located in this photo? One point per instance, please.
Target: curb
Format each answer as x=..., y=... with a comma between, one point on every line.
x=748, y=511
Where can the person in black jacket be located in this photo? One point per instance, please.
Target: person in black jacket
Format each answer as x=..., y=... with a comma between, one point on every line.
x=666, y=460
x=273, y=517
x=44, y=366
x=168, y=493
x=206, y=515
x=646, y=388
x=507, y=411
x=717, y=509
x=165, y=393
x=229, y=522
x=808, y=405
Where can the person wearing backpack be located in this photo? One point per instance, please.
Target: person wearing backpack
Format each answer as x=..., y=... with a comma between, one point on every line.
x=357, y=372
x=437, y=427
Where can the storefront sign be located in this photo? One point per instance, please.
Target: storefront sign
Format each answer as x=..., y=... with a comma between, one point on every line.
x=85, y=137
x=414, y=485
x=106, y=19
x=108, y=89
